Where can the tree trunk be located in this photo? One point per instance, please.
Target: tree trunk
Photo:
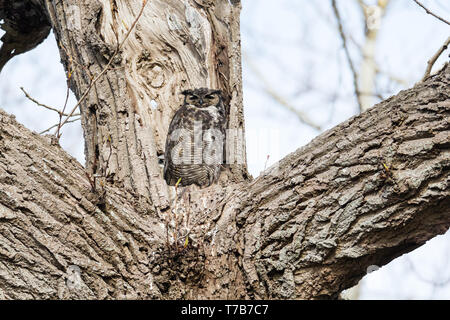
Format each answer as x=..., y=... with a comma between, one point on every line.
x=358, y=195
x=176, y=45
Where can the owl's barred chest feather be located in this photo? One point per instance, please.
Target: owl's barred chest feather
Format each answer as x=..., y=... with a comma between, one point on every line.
x=210, y=114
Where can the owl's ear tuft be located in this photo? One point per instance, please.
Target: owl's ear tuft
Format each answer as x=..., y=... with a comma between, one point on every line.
x=186, y=92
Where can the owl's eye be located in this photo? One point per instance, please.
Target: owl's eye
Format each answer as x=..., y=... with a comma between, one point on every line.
x=192, y=97
x=209, y=96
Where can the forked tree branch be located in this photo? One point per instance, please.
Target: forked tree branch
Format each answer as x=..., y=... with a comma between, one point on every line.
x=434, y=58
x=361, y=194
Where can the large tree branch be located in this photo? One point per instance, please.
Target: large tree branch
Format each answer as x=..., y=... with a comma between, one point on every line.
x=361, y=194
x=51, y=220
x=307, y=228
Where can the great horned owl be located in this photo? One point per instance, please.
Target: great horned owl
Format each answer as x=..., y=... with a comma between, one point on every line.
x=194, y=145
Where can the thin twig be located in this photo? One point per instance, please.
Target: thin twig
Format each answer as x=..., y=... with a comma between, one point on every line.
x=175, y=235
x=186, y=241
x=434, y=58
x=71, y=70
x=119, y=47
x=109, y=156
x=347, y=52
x=56, y=125
x=58, y=134
x=431, y=13
x=74, y=62
x=46, y=106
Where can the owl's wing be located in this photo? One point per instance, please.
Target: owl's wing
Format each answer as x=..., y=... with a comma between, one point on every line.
x=173, y=139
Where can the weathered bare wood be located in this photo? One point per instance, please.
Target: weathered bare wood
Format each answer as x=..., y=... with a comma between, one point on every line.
x=176, y=45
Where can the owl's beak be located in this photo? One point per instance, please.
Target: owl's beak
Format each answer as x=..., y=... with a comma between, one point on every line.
x=201, y=101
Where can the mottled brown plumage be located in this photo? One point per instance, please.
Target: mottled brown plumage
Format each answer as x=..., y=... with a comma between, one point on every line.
x=194, y=145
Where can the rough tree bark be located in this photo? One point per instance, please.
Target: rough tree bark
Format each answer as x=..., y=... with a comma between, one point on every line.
x=361, y=194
